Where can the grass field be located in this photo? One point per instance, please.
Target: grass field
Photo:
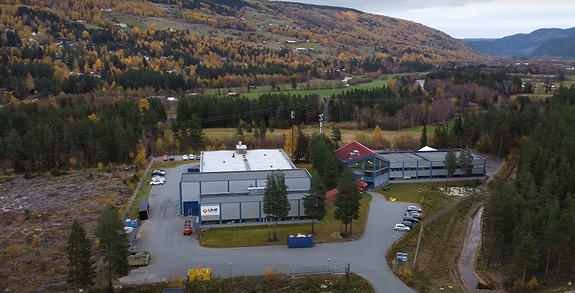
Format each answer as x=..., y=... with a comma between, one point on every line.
x=440, y=246
x=247, y=236
x=431, y=128
x=321, y=92
x=92, y=26
x=131, y=22
x=346, y=135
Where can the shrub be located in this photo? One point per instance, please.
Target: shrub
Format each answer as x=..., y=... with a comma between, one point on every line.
x=13, y=250
x=532, y=285
x=100, y=165
x=270, y=275
x=406, y=275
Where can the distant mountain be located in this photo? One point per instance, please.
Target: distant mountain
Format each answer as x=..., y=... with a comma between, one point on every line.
x=552, y=42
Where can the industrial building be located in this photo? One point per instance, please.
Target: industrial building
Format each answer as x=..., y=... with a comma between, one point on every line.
x=230, y=185
x=379, y=168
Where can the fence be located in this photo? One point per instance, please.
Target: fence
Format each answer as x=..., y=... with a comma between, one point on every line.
x=129, y=205
x=333, y=269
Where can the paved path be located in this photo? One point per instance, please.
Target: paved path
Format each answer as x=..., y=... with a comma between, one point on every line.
x=173, y=254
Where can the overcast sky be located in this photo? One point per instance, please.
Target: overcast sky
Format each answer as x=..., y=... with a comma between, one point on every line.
x=471, y=18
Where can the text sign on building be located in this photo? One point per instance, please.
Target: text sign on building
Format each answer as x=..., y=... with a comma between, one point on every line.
x=210, y=210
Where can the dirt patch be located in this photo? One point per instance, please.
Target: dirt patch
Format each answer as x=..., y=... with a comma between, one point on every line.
x=35, y=216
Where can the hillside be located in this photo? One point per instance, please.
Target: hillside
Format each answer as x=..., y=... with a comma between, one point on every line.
x=53, y=48
x=539, y=43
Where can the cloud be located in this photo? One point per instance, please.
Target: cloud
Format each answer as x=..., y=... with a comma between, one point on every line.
x=470, y=18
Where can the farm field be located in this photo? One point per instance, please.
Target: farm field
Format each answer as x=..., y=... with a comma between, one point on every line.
x=346, y=135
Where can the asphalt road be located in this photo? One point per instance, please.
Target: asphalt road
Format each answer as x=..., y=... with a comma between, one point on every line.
x=173, y=254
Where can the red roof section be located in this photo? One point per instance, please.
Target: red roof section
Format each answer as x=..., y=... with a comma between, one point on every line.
x=330, y=196
x=344, y=153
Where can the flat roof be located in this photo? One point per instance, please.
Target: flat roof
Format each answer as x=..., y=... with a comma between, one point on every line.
x=240, y=175
x=415, y=156
x=231, y=160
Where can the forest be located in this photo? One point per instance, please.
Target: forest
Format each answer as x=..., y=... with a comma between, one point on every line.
x=529, y=221
x=47, y=55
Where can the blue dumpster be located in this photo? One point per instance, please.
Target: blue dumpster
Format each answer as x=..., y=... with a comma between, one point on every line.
x=300, y=240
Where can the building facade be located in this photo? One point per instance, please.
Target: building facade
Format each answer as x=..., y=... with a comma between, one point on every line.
x=230, y=186
x=378, y=168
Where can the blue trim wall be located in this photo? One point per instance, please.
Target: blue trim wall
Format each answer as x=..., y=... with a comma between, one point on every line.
x=181, y=199
x=300, y=215
x=370, y=179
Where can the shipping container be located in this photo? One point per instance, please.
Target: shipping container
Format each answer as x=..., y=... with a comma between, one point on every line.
x=144, y=209
x=300, y=240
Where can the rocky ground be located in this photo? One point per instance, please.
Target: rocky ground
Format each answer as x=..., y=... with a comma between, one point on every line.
x=35, y=216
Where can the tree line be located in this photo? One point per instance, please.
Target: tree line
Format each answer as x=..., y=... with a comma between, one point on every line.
x=528, y=222
x=68, y=133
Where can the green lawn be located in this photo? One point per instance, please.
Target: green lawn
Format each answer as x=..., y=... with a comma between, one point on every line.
x=130, y=22
x=260, y=90
x=92, y=26
x=430, y=198
x=431, y=128
x=257, y=235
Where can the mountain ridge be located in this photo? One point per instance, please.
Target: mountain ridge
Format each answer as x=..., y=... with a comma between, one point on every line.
x=528, y=44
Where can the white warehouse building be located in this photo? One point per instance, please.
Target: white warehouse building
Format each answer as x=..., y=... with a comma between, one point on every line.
x=230, y=185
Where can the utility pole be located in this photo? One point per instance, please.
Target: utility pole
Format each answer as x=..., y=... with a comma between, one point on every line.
x=320, y=123
x=417, y=247
x=292, y=115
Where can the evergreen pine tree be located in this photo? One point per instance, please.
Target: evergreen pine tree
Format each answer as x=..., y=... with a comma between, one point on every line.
x=80, y=266
x=330, y=170
x=314, y=202
x=301, y=151
x=423, y=139
x=276, y=204
x=450, y=164
x=335, y=136
x=347, y=200
x=113, y=245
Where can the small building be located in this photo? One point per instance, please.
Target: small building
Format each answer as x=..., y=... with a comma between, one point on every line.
x=378, y=168
x=230, y=185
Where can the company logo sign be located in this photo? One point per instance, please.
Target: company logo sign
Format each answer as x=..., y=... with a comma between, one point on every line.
x=210, y=210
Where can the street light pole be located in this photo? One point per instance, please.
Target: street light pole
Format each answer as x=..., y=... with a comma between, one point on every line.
x=230, y=270
x=328, y=267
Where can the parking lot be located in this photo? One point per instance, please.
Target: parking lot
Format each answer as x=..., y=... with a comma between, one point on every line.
x=173, y=253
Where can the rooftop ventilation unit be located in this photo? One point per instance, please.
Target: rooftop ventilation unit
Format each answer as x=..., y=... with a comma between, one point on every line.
x=241, y=148
x=354, y=153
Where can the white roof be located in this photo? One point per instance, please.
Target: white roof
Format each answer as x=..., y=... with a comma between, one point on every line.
x=426, y=149
x=230, y=160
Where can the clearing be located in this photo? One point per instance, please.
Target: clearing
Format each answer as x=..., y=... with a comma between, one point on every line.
x=302, y=89
x=35, y=219
x=347, y=135
x=246, y=236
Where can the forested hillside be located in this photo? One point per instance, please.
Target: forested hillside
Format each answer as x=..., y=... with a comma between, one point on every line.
x=54, y=49
x=529, y=224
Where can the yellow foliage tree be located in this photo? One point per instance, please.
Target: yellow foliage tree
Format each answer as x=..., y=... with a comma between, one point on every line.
x=159, y=146
x=141, y=160
x=288, y=140
x=144, y=105
x=93, y=117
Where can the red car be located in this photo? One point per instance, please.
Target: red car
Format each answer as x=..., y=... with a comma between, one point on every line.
x=165, y=157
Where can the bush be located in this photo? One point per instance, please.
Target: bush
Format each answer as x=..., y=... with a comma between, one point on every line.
x=36, y=241
x=532, y=285
x=406, y=275
x=100, y=165
x=56, y=172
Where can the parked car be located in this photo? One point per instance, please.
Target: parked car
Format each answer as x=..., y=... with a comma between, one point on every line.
x=159, y=178
x=159, y=171
x=415, y=215
x=193, y=170
x=413, y=208
x=172, y=158
x=165, y=157
x=185, y=157
x=410, y=219
x=156, y=181
x=401, y=227
x=409, y=224
x=191, y=157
